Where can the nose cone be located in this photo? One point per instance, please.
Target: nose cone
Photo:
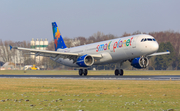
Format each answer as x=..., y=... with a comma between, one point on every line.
x=155, y=47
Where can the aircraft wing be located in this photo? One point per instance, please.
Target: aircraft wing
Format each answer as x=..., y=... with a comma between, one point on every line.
x=159, y=53
x=55, y=54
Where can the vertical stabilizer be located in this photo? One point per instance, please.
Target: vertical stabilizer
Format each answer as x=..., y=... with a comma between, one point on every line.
x=58, y=40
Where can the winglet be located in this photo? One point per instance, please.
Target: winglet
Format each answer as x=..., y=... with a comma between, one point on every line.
x=10, y=47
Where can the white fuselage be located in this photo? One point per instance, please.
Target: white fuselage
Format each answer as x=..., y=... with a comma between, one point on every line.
x=115, y=50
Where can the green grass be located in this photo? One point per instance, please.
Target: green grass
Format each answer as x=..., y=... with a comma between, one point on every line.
x=88, y=95
x=109, y=95
x=75, y=72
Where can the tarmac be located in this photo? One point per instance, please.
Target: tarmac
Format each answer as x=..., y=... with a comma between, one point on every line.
x=100, y=77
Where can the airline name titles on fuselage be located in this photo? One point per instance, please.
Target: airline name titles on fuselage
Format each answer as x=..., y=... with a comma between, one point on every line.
x=118, y=44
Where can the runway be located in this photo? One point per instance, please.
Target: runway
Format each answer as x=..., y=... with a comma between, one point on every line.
x=99, y=77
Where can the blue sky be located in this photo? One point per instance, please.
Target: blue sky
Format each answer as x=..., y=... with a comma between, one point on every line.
x=25, y=19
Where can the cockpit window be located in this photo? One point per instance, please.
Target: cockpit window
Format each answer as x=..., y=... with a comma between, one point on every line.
x=147, y=39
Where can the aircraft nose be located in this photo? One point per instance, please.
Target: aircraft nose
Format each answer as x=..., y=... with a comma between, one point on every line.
x=155, y=46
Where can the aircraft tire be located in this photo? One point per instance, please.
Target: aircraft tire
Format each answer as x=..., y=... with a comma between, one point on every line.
x=80, y=72
x=116, y=72
x=85, y=72
x=121, y=72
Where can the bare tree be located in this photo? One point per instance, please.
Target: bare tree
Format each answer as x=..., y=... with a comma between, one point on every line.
x=5, y=52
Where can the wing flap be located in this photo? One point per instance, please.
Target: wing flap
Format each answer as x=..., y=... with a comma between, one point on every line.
x=55, y=54
x=47, y=53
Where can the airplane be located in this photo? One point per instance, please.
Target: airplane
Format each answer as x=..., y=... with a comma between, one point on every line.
x=136, y=49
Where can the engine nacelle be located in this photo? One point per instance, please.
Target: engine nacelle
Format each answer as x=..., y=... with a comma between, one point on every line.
x=85, y=61
x=140, y=62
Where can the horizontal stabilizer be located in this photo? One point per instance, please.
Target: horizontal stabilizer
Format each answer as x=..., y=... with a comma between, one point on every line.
x=159, y=53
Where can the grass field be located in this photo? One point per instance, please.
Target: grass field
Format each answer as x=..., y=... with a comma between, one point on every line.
x=75, y=72
x=88, y=95
x=59, y=94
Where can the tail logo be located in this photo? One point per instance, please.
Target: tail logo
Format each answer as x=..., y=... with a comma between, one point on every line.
x=55, y=41
x=57, y=36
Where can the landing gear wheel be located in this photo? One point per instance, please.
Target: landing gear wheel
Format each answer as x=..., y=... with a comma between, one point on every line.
x=116, y=72
x=80, y=72
x=85, y=72
x=121, y=72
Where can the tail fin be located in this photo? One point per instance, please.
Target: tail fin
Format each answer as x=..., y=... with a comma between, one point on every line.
x=58, y=40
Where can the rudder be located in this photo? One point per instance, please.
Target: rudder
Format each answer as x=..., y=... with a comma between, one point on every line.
x=58, y=40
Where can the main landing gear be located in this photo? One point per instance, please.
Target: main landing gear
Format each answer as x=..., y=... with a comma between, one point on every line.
x=118, y=72
x=83, y=71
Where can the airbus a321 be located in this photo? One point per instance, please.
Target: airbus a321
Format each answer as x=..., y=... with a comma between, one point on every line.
x=136, y=49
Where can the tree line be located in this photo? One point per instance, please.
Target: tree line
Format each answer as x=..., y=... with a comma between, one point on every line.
x=168, y=40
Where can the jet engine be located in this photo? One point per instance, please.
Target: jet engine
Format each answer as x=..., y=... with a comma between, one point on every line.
x=140, y=62
x=85, y=61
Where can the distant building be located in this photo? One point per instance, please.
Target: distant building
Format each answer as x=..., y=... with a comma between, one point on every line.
x=40, y=45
